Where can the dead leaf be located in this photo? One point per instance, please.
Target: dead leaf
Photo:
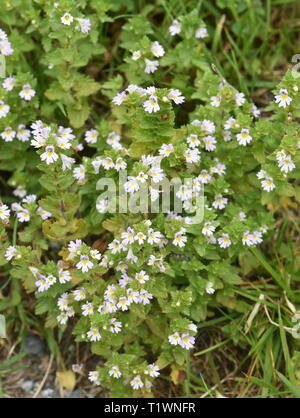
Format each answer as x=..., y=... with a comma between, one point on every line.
x=66, y=379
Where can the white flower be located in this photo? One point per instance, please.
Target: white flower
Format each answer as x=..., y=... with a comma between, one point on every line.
x=192, y=155
x=201, y=33
x=175, y=28
x=27, y=92
x=66, y=133
x=63, y=143
x=91, y=136
x=87, y=309
x=44, y=214
x=142, y=177
x=79, y=294
x=109, y=292
x=120, y=164
x=210, y=142
x=227, y=136
x=242, y=216
x=9, y=83
x=244, y=137
x=49, y=155
x=154, y=237
x=67, y=162
x=23, y=215
x=267, y=184
x=23, y=134
x=19, y=191
x=136, y=55
x=184, y=192
x=208, y=126
x=63, y=302
x=152, y=370
x=119, y=98
x=156, y=174
x=166, y=149
x=283, y=99
x=255, y=111
x=142, y=277
x=193, y=140
x=239, y=99
x=4, y=109
x=179, y=240
x=93, y=334
x=247, y=239
x=186, y=341
x=145, y=297
x=286, y=164
x=115, y=372
x=280, y=155
x=94, y=377
x=85, y=24
x=113, y=139
x=102, y=206
x=220, y=202
x=95, y=254
x=62, y=318
x=67, y=19
x=224, y=241
x=174, y=339
x=77, y=368
x=10, y=253
x=131, y=186
x=128, y=236
x=147, y=160
x=261, y=174
x=219, y=169
x=257, y=237
x=79, y=172
x=4, y=213
x=151, y=105
x=5, y=47
x=151, y=66
x=74, y=247
x=84, y=264
x=29, y=198
x=123, y=304
x=43, y=283
x=136, y=383
x=8, y=134
x=133, y=296
x=115, y=246
x=208, y=229
x=115, y=326
x=204, y=177
x=157, y=50
x=215, y=101
x=38, y=142
x=64, y=276
x=176, y=96
x=108, y=163
x=229, y=124
x=210, y=288
x=140, y=237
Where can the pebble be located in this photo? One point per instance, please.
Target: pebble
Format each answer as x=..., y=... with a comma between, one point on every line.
x=33, y=344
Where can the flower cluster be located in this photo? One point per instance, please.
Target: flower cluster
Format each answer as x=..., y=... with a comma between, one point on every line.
x=84, y=24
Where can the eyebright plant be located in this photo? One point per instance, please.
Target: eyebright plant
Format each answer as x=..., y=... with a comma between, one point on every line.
x=134, y=285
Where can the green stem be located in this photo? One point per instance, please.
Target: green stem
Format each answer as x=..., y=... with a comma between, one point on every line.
x=14, y=240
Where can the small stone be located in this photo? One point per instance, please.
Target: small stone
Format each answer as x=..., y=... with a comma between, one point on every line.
x=27, y=386
x=33, y=344
x=49, y=393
